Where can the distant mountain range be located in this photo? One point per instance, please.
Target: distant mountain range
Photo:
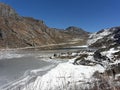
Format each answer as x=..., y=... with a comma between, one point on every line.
x=17, y=31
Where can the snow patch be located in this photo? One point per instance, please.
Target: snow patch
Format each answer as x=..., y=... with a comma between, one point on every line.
x=95, y=36
x=109, y=53
x=63, y=75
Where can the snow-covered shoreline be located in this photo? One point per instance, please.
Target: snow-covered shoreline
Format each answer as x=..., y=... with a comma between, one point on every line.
x=76, y=74
x=28, y=77
x=19, y=58
x=63, y=77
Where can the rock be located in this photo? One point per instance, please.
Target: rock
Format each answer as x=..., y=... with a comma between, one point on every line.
x=6, y=11
x=117, y=36
x=87, y=63
x=78, y=59
x=117, y=55
x=81, y=60
x=55, y=55
x=99, y=57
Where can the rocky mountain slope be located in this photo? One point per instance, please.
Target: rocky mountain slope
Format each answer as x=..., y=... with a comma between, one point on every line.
x=107, y=44
x=79, y=36
x=17, y=31
x=105, y=38
x=76, y=32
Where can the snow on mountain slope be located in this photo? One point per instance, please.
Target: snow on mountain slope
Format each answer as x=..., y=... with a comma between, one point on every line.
x=107, y=42
x=98, y=35
x=106, y=38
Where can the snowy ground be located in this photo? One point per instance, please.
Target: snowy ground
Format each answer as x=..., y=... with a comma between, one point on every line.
x=65, y=76
x=13, y=63
x=62, y=77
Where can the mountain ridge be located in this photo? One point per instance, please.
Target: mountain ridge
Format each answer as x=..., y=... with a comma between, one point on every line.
x=17, y=31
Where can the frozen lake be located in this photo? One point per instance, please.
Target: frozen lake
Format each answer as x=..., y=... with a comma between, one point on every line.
x=14, y=64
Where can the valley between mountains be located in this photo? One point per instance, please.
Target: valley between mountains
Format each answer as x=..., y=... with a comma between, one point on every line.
x=34, y=56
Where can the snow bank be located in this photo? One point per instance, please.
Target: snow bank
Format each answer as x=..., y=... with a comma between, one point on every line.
x=64, y=77
x=110, y=53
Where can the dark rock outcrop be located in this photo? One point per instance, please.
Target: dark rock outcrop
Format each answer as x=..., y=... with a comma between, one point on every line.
x=117, y=35
x=98, y=57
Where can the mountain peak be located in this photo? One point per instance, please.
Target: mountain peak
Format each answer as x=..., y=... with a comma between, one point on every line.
x=7, y=11
x=77, y=31
x=73, y=28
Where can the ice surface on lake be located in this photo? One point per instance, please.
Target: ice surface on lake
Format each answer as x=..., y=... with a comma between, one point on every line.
x=7, y=54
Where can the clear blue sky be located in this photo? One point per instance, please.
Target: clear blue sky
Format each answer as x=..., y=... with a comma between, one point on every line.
x=91, y=15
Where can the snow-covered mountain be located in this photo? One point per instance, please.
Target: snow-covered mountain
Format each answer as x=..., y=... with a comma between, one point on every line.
x=105, y=38
x=107, y=41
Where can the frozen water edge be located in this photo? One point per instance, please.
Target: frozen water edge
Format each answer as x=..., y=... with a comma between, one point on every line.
x=30, y=75
x=8, y=54
x=64, y=75
x=27, y=78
